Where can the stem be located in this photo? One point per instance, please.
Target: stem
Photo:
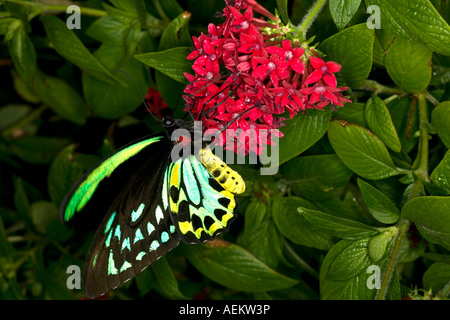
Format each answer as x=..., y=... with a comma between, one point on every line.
x=422, y=173
x=310, y=17
x=299, y=261
x=422, y=170
x=402, y=225
x=59, y=8
x=377, y=88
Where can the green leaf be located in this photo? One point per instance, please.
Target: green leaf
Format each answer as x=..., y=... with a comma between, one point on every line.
x=351, y=112
x=233, y=267
x=67, y=44
x=37, y=150
x=176, y=34
x=350, y=262
x=22, y=53
x=171, y=8
x=260, y=236
x=23, y=89
x=12, y=113
x=380, y=122
x=310, y=127
x=441, y=174
x=405, y=116
x=342, y=11
x=283, y=10
x=440, y=119
x=60, y=97
x=111, y=29
x=166, y=283
x=112, y=101
x=379, y=244
x=383, y=40
x=353, y=49
x=42, y=213
x=342, y=274
x=145, y=281
x=409, y=65
x=21, y=203
x=361, y=151
x=315, y=177
x=415, y=20
x=174, y=68
x=295, y=227
x=430, y=214
x=336, y=226
x=379, y=205
x=437, y=277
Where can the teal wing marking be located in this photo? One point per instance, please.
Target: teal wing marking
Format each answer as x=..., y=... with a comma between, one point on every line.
x=200, y=207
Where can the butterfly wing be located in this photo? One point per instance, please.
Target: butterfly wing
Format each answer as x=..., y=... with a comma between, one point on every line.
x=123, y=197
x=145, y=204
x=200, y=207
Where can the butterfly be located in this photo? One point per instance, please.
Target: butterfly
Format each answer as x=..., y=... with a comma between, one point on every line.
x=144, y=202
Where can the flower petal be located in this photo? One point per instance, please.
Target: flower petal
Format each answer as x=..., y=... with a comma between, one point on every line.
x=333, y=66
x=314, y=77
x=316, y=62
x=330, y=80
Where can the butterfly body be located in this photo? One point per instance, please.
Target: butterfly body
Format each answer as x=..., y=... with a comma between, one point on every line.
x=144, y=203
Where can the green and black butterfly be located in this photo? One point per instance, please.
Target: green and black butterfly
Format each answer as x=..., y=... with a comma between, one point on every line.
x=144, y=203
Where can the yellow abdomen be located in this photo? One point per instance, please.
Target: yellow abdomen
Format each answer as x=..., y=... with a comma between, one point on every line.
x=227, y=177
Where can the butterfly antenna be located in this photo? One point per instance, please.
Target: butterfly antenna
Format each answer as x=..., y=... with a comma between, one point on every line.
x=223, y=101
x=140, y=94
x=207, y=82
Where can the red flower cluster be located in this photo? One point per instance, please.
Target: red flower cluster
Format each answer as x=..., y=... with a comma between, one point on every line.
x=247, y=74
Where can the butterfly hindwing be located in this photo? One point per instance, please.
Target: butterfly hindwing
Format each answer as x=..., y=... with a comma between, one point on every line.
x=200, y=207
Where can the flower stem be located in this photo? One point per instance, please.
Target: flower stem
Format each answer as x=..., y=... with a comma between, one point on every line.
x=378, y=88
x=299, y=261
x=422, y=169
x=310, y=17
x=403, y=224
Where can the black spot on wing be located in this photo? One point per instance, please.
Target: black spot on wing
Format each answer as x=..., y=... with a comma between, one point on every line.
x=208, y=222
x=183, y=212
x=219, y=213
x=224, y=202
x=174, y=193
x=196, y=222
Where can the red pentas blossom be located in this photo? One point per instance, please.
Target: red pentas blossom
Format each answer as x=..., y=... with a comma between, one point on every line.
x=250, y=73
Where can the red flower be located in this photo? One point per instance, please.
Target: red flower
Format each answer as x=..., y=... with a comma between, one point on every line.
x=289, y=55
x=247, y=78
x=325, y=95
x=274, y=68
x=323, y=70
